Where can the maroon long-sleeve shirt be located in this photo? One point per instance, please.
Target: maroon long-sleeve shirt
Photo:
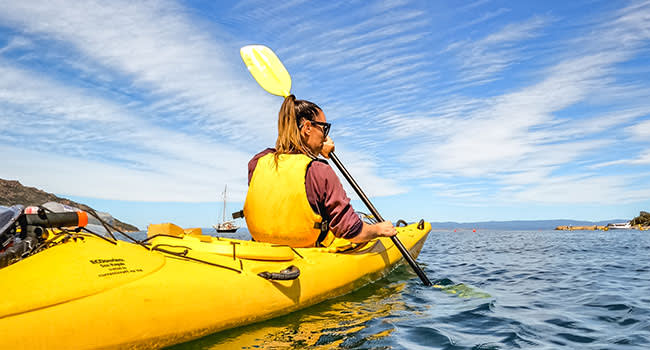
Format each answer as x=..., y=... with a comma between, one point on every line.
x=324, y=190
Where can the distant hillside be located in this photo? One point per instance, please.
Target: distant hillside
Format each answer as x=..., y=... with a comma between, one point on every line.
x=12, y=192
x=520, y=224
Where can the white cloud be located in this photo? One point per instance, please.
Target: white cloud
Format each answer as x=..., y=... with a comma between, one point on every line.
x=642, y=159
x=78, y=177
x=17, y=42
x=503, y=133
x=460, y=193
x=364, y=169
x=472, y=5
x=484, y=58
x=156, y=45
x=376, y=51
x=629, y=28
x=608, y=123
x=58, y=123
x=522, y=140
x=640, y=130
x=518, y=179
x=40, y=96
x=584, y=189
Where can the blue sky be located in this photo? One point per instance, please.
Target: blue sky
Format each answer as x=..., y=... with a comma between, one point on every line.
x=443, y=110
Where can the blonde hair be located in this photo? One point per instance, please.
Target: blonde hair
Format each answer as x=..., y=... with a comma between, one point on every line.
x=290, y=118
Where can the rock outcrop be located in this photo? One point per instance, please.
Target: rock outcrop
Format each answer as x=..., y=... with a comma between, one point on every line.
x=642, y=220
x=13, y=192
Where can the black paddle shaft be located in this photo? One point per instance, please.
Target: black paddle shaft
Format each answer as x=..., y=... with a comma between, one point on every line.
x=374, y=212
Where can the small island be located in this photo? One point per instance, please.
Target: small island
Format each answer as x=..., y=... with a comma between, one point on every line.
x=641, y=222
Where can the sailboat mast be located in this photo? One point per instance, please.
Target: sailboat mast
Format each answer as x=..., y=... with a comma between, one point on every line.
x=224, y=203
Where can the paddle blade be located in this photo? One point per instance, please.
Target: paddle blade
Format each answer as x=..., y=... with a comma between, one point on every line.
x=267, y=69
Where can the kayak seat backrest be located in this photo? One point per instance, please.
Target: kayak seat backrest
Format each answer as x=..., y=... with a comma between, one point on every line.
x=167, y=229
x=193, y=232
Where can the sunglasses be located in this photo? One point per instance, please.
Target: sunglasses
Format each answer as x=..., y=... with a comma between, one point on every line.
x=326, y=126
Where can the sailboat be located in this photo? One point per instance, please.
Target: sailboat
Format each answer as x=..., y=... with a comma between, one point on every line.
x=225, y=226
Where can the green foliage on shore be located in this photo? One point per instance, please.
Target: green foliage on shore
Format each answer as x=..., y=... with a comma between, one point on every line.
x=643, y=219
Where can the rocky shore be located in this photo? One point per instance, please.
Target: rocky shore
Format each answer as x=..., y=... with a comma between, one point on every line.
x=13, y=192
x=641, y=222
x=596, y=228
x=581, y=228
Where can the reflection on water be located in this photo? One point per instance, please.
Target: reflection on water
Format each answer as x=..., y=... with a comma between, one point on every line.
x=358, y=319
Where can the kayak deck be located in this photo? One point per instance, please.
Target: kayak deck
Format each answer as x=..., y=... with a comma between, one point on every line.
x=89, y=292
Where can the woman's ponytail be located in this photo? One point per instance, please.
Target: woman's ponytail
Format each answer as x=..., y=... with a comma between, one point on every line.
x=291, y=113
x=288, y=133
x=287, y=119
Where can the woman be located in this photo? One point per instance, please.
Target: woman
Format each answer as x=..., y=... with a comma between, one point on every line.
x=296, y=199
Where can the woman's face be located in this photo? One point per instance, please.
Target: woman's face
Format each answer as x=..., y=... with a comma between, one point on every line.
x=312, y=134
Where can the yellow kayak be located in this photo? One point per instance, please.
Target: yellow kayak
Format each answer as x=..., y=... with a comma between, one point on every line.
x=86, y=291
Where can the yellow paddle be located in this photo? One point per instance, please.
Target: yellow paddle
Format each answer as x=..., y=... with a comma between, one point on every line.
x=270, y=73
x=267, y=69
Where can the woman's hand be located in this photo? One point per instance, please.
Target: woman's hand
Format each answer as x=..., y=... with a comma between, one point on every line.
x=368, y=232
x=328, y=146
x=385, y=229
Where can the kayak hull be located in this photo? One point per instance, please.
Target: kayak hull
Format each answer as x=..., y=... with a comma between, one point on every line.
x=91, y=293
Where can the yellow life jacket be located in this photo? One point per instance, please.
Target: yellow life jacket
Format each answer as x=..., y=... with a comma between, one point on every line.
x=276, y=208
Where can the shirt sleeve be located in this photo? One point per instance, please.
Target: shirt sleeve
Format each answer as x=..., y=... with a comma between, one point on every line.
x=324, y=187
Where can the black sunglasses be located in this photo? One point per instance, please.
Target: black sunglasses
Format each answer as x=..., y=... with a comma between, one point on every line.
x=326, y=126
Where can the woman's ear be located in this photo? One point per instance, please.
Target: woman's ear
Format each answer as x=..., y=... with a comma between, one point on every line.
x=307, y=127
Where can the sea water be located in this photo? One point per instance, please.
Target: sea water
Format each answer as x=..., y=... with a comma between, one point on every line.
x=493, y=290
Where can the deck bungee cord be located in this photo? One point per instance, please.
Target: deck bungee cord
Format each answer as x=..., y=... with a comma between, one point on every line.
x=37, y=228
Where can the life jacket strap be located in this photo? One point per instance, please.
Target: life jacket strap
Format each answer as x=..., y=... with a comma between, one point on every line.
x=324, y=228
